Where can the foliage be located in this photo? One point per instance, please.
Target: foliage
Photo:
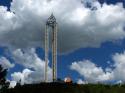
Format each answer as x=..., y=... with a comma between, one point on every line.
x=67, y=88
x=3, y=83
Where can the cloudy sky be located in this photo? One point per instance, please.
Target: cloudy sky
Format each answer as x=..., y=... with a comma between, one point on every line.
x=91, y=39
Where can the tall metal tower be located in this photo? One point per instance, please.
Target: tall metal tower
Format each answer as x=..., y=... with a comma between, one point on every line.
x=51, y=25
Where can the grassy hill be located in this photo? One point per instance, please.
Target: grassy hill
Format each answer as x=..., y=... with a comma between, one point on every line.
x=67, y=88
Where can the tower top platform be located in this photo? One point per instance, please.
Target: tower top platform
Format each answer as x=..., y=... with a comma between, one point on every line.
x=51, y=20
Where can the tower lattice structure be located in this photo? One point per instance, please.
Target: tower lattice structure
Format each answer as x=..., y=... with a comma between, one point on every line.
x=51, y=25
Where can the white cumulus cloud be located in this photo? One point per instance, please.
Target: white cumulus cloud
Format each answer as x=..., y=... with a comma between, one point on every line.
x=34, y=72
x=80, y=81
x=6, y=64
x=93, y=73
x=119, y=65
x=79, y=27
x=12, y=84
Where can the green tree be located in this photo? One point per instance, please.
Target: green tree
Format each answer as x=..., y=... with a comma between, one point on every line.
x=3, y=83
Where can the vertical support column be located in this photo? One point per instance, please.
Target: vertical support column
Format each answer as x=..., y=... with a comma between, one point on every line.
x=54, y=51
x=53, y=62
x=46, y=52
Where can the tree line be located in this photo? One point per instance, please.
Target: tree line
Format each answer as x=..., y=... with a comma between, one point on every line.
x=4, y=84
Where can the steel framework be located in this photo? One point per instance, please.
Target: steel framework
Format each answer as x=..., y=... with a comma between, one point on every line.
x=52, y=24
